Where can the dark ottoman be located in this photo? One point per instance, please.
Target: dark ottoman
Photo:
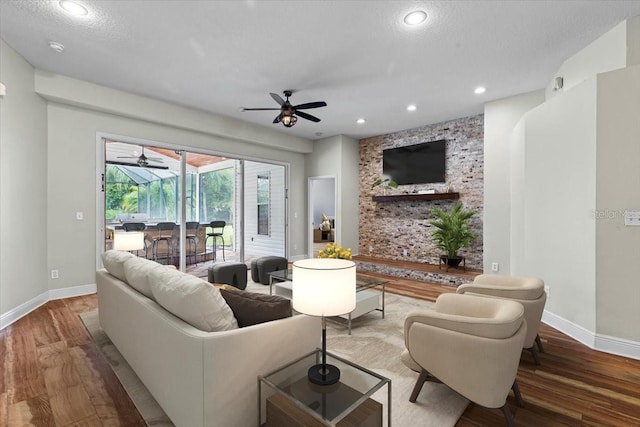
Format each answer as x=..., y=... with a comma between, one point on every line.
x=261, y=267
x=230, y=273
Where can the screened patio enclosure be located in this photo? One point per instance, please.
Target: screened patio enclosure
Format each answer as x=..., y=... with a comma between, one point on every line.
x=216, y=189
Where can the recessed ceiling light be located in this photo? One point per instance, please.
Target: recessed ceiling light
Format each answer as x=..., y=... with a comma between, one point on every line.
x=416, y=17
x=58, y=47
x=73, y=8
x=411, y=108
x=479, y=90
x=360, y=121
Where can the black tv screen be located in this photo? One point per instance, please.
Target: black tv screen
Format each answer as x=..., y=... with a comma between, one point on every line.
x=415, y=164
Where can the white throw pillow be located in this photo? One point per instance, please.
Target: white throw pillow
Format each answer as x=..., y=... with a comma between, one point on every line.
x=114, y=263
x=137, y=272
x=191, y=299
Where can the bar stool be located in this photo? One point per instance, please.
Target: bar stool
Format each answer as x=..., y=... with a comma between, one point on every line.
x=192, y=237
x=217, y=229
x=165, y=233
x=136, y=226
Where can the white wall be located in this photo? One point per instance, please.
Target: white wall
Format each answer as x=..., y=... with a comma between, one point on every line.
x=348, y=193
x=608, y=52
x=500, y=117
x=71, y=162
x=339, y=156
x=574, y=171
x=558, y=195
x=618, y=190
x=23, y=188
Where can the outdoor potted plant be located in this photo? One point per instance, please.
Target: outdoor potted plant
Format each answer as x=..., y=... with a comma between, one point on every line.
x=453, y=231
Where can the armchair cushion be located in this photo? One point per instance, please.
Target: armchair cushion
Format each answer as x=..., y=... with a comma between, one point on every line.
x=513, y=287
x=463, y=313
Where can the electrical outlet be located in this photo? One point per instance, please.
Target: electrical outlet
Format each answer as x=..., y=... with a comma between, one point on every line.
x=495, y=266
x=54, y=274
x=405, y=252
x=546, y=290
x=79, y=216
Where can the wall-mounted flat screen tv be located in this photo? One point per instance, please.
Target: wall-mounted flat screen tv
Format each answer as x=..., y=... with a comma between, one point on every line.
x=415, y=164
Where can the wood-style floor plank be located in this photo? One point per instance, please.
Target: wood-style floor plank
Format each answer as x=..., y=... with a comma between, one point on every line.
x=24, y=377
x=573, y=386
x=31, y=412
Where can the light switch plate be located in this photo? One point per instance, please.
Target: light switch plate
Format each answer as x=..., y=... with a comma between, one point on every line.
x=632, y=218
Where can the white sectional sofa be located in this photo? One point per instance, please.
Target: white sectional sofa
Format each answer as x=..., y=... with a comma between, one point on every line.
x=199, y=378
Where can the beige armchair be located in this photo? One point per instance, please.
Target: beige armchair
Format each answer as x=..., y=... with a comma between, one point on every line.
x=528, y=291
x=471, y=344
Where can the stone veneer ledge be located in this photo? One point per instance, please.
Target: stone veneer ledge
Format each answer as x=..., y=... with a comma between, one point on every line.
x=388, y=228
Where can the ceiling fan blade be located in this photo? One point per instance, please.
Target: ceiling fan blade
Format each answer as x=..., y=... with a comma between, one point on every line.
x=127, y=157
x=277, y=119
x=310, y=105
x=277, y=98
x=135, y=165
x=307, y=116
x=155, y=159
x=259, y=109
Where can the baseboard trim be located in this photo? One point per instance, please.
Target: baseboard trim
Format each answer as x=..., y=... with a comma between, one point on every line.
x=22, y=310
x=619, y=346
x=74, y=291
x=604, y=343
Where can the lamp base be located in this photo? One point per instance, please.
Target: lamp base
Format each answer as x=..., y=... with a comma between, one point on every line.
x=323, y=374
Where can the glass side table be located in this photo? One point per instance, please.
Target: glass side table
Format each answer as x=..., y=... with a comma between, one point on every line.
x=287, y=397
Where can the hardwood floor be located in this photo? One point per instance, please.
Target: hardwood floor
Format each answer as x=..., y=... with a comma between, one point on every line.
x=51, y=374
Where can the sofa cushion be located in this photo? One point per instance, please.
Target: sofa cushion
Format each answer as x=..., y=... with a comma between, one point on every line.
x=137, y=270
x=251, y=308
x=114, y=262
x=191, y=299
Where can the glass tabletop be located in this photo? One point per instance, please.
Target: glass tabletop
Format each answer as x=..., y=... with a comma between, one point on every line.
x=362, y=282
x=329, y=403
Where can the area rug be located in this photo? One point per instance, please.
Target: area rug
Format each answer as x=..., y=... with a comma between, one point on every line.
x=374, y=343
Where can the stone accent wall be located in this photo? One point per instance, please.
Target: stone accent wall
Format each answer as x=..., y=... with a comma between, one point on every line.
x=387, y=229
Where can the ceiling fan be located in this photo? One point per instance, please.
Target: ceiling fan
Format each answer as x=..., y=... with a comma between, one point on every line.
x=142, y=160
x=289, y=112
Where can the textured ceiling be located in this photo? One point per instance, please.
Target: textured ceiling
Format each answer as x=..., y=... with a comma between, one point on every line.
x=358, y=56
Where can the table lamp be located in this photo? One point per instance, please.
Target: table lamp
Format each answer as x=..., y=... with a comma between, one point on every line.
x=128, y=241
x=324, y=287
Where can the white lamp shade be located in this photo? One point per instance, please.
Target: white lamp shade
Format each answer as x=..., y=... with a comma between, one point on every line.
x=128, y=241
x=324, y=286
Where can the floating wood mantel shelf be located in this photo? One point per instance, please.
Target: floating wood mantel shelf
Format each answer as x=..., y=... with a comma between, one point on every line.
x=415, y=197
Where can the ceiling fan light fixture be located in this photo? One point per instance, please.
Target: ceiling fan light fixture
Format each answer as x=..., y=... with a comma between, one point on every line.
x=288, y=119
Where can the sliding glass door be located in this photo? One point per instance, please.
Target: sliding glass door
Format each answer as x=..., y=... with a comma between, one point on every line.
x=248, y=198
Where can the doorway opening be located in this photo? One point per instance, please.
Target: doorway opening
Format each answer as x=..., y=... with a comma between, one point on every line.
x=322, y=213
